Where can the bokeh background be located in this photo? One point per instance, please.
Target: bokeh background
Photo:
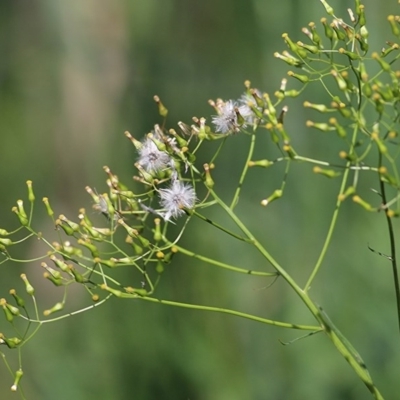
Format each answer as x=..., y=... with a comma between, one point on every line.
x=74, y=75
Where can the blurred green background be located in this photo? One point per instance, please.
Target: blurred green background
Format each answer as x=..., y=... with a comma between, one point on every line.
x=74, y=76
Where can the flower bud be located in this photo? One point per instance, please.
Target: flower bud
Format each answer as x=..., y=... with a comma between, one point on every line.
x=29, y=288
x=329, y=32
x=362, y=203
x=18, y=376
x=138, y=249
x=301, y=78
x=261, y=163
x=311, y=49
x=11, y=343
x=50, y=212
x=19, y=210
x=328, y=8
x=92, y=248
x=209, y=183
x=53, y=279
x=339, y=129
x=288, y=59
x=384, y=65
x=55, y=308
x=161, y=108
x=274, y=196
x=322, y=126
x=394, y=24
x=19, y=300
x=382, y=148
x=31, y=195
x=349, y=191
x=78, y=277
x=8, y=314
x=329, y=173
x=108, y=263
x=350, y=54
x=294, y=47
x=157, y=230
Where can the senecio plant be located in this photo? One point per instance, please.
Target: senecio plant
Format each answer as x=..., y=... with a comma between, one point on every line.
x=173, y=186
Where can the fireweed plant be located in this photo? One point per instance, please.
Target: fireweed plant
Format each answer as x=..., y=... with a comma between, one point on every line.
x=362, y=114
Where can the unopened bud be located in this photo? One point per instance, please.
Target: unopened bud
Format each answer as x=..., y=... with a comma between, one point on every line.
x=55, y=308
x=276, y=195
x=18, y=376
x=29, y=288
x=50, y=212
x=161, y=108
x=329, y=173
x=31, y=195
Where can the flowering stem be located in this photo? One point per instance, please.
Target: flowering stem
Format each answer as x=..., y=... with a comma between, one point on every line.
x=336, y=337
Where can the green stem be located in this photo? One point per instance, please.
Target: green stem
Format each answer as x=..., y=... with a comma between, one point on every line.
x=331, y=331
x=244, y=172
x=220, y=264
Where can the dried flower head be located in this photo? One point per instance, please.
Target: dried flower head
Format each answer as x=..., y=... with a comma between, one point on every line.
x=176, y=198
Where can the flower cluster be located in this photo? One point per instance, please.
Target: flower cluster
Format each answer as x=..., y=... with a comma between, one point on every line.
x=156, y=156
x=234, y=115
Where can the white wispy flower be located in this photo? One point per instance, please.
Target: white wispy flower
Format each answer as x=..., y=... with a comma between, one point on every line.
x=227, y=121
x=246, y=103
x=151, y=158
x=176, y=198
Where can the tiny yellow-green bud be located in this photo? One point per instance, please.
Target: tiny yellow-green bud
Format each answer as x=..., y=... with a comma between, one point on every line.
x=329, y=173
x=31, y=195
x=260, y=163
x=208, y=179
x=19, y=300
x=161, y=108
x=301, y=78
x=394, y=24
x=349, y=191
x=57, y=307
x=357, y=199
x=274, y=196
x=29, y=288
x=50, y=212
x=18, y=376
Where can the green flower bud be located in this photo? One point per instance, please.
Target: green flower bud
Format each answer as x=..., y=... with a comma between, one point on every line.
x=50, y=212
x=209, y=183
x=55, y=308
x=51, y=278
x=161, y=108
x=92, y=248
x=362, y=203
x=394, y=24
x=19, y=300
x=18, y=376
x=19, y=210
x=301, y=78
x=8, y=314
x=29, y=288
x=261, y=163
x=274, y=196
x=348, y=192
x=157, y=230
x=78, y=277
x=31, y=195
x=329, y=173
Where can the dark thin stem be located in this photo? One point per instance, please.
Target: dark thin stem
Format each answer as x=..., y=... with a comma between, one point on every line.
x=392, y=246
